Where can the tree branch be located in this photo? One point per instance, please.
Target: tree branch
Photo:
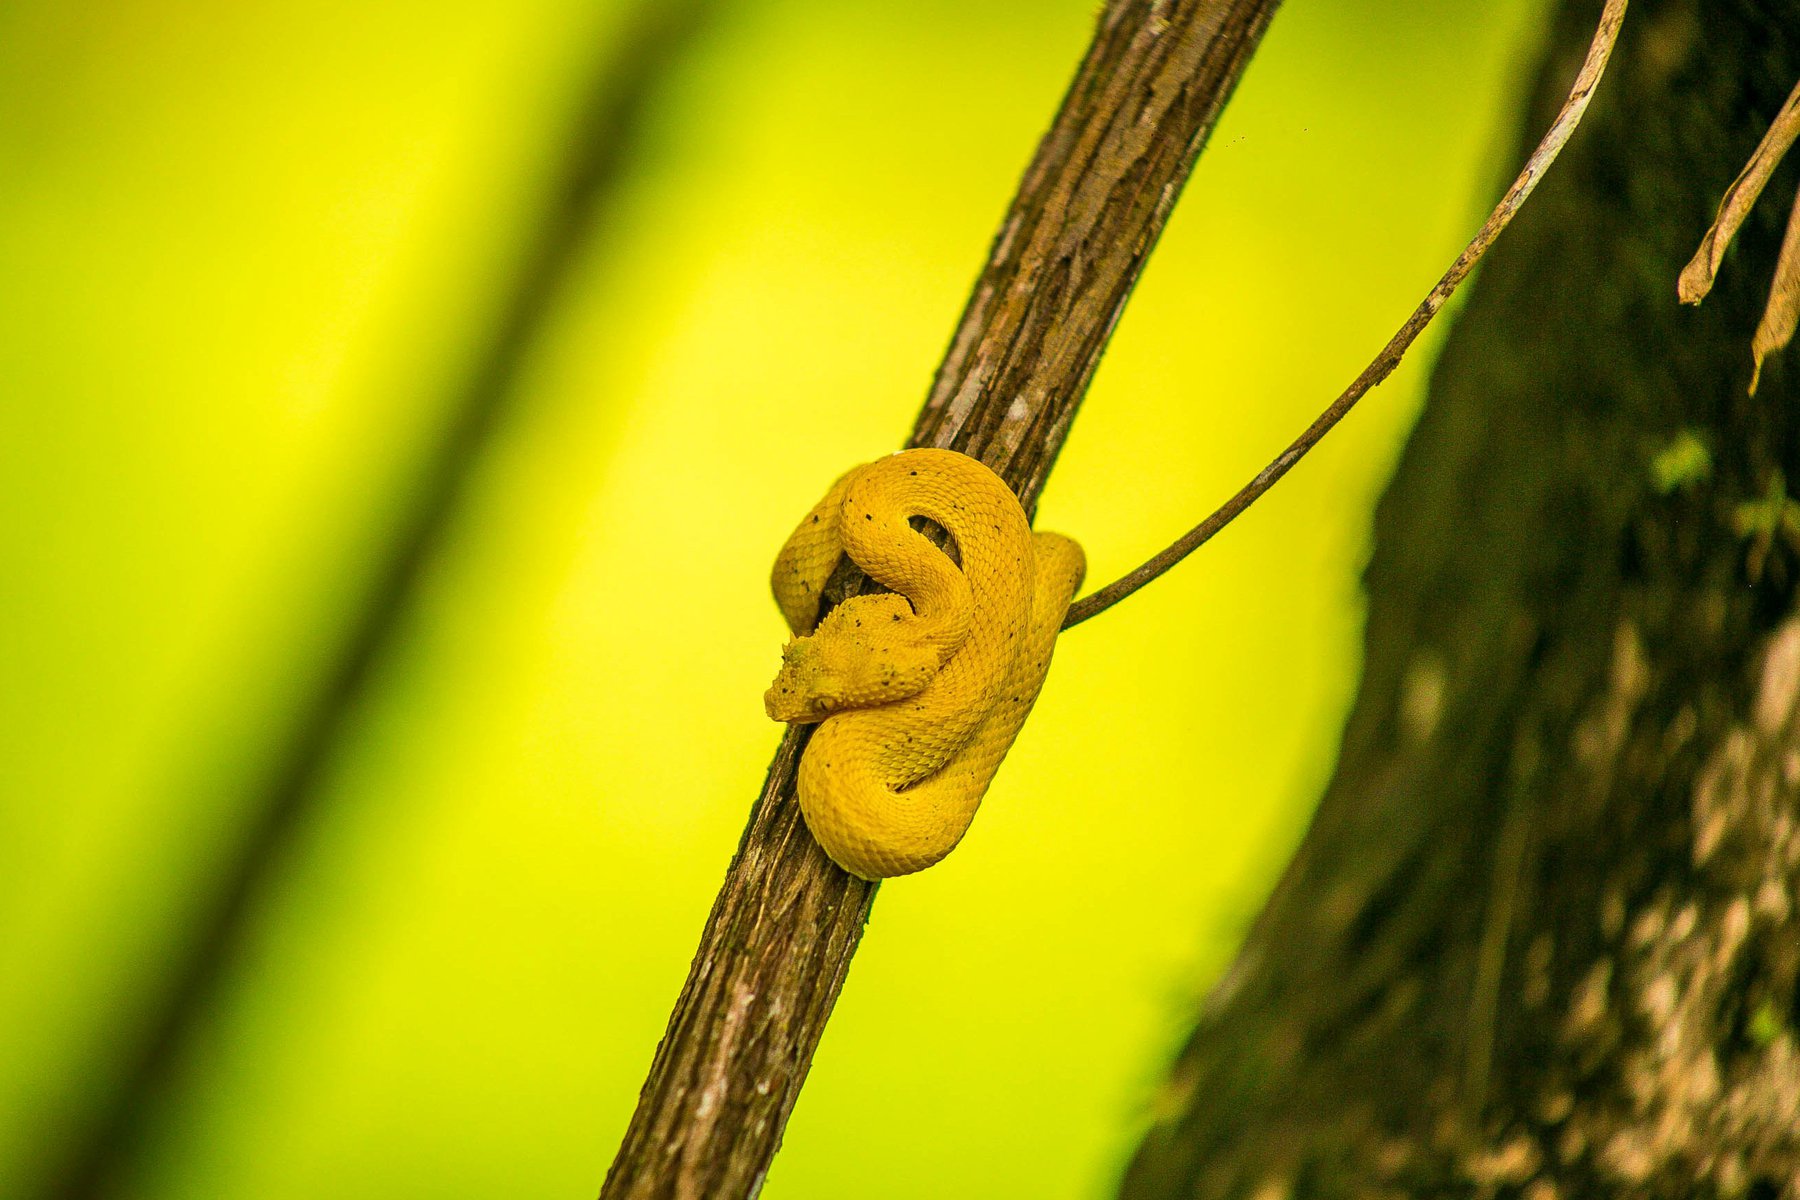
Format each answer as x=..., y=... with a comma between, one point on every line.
x=787, y=921
x=599, y=142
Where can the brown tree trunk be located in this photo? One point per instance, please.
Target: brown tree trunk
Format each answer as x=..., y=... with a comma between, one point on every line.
x=1542, y=937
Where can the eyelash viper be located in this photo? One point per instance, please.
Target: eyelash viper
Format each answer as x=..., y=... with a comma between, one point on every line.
x=920, y=693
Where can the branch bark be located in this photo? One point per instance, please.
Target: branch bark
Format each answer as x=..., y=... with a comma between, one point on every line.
x=1542, y=939
x=786, y=922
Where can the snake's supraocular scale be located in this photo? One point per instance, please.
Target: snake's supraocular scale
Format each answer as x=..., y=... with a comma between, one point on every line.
x=920, y=692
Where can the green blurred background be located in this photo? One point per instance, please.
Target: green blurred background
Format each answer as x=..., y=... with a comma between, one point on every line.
x=246, y=252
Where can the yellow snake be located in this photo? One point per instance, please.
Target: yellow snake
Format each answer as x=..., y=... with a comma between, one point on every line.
x=921, y=693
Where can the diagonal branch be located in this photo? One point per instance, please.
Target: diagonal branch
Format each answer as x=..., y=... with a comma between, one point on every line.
x=599, y=141
x=786, y=922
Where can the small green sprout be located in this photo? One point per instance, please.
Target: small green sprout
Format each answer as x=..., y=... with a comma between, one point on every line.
x=1765, y=1025
x=1761, y=521
x=1682, y=463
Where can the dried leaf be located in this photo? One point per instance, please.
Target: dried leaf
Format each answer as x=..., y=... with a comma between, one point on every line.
x=1697, y=277
x=1783, y=312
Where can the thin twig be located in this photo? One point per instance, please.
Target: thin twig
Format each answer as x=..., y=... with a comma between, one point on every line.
x=599, y=142
x=1697, y=277
x=1565, y=124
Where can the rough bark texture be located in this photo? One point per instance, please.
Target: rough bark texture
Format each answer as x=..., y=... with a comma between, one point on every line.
x=1542, y=937
x=786, y=922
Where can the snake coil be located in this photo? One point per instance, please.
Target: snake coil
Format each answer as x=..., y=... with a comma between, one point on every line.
x=920, y=693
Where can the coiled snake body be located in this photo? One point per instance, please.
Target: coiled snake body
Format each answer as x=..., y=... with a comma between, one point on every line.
x=921, y=693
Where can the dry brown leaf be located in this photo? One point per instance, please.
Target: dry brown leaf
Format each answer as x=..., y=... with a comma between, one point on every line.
x=1697, y=277
x=1783, y=312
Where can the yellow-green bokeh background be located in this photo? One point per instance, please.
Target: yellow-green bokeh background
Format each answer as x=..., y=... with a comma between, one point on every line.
x=245, y=251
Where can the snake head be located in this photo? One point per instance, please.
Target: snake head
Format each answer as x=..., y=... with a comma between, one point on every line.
x=864, y=653
x=807, y=688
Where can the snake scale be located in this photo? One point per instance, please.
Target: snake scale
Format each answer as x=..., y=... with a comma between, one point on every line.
x=919, y=692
